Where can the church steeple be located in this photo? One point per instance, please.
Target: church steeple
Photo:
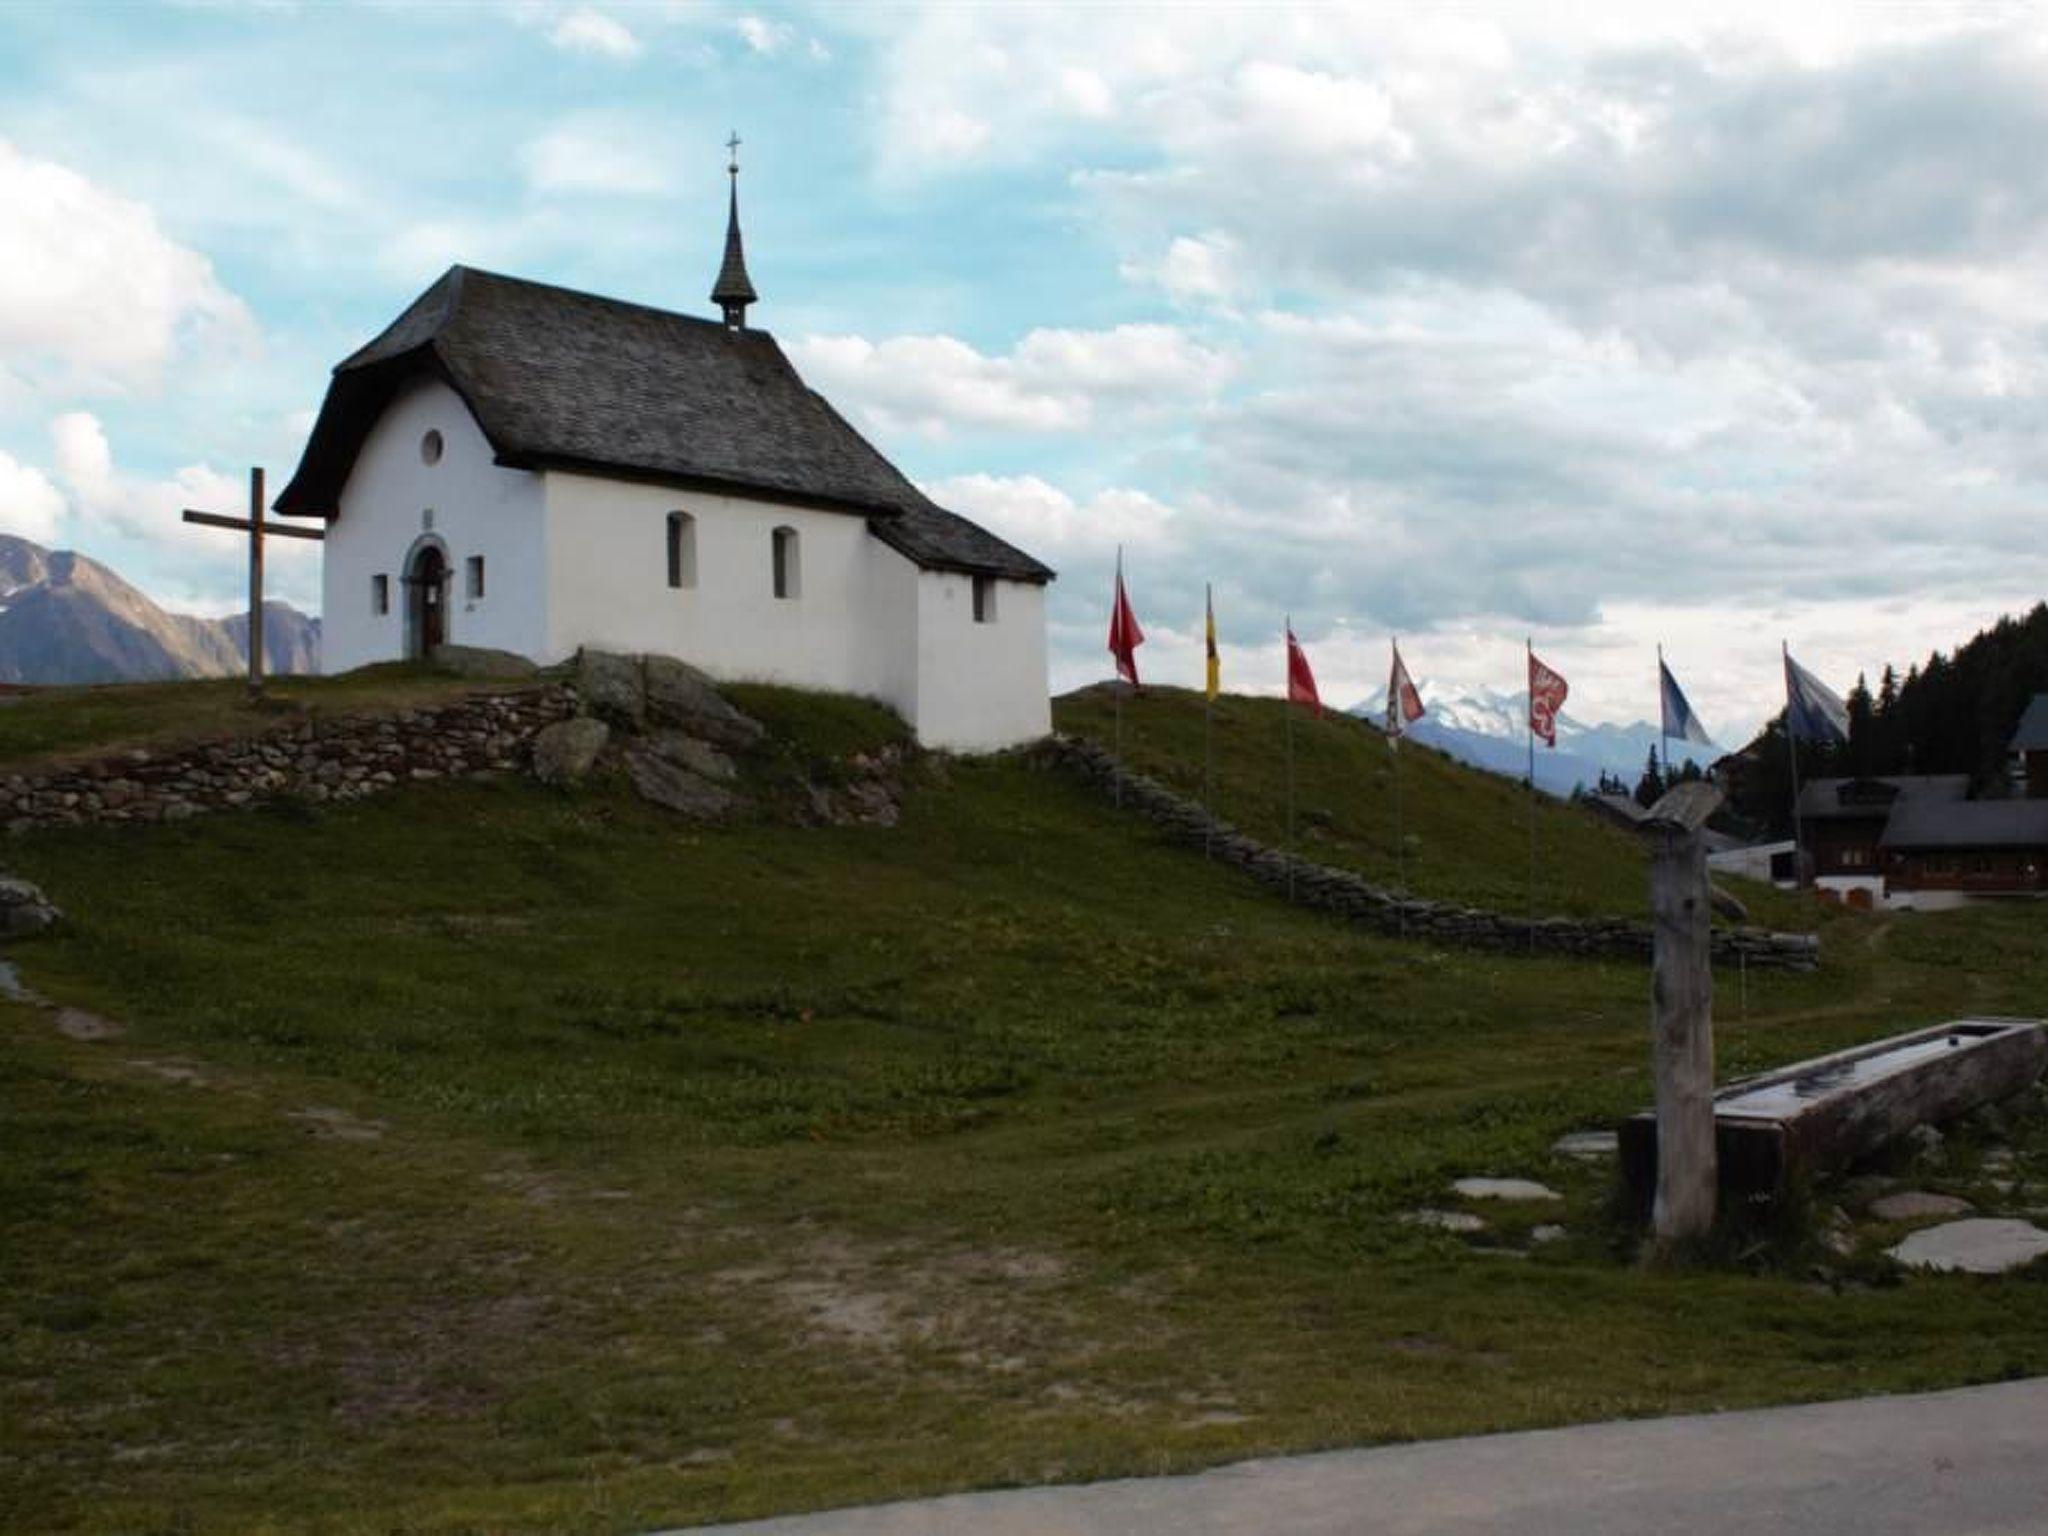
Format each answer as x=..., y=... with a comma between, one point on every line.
x=734, y=290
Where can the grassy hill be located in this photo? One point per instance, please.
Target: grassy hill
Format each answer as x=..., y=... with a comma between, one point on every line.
x=1467, y=831
x=482, y=1158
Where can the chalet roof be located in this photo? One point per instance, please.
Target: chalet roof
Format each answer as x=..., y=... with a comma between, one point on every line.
x=1968, y=824
x=2031, y=735
x=559, y=379
x=1875, y=797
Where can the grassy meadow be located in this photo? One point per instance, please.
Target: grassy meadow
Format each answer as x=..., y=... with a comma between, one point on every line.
x=483, y=1158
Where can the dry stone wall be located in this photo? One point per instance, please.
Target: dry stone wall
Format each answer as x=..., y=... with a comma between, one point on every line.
x=1351, y=896
x=315, y=759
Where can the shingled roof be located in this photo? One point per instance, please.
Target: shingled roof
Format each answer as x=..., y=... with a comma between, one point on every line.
x=558, y=379
x=2031, y=735
x=1874, y=798
x=1968, y=824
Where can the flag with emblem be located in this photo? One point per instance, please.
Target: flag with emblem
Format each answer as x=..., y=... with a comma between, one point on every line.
x=1547, y=692
x=1404, y=699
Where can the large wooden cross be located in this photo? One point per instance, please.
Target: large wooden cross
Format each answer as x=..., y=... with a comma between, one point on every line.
x=256, y=528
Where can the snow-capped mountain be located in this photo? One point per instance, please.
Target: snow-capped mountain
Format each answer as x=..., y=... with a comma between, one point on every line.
x=1485, y=727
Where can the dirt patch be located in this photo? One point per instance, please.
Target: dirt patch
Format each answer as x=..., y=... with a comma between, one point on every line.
x=992, y=1310
x=423, y=1366
x=172, y=1069
x=77, y=1024
x=337, y=1125
x=544, y=1189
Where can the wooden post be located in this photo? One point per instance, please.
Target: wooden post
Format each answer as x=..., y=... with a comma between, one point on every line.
x=256, y=580
x=1682, y=1026
x=256, y=528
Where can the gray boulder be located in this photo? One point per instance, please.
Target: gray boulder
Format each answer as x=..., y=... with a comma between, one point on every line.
x=24, y=909
x=660, y=782
x=483, y=664
x=609, y=685
x=564, y=752
x=678, y=695
x=701, y=758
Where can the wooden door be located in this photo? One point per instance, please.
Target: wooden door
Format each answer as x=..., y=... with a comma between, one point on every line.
x=427, y=586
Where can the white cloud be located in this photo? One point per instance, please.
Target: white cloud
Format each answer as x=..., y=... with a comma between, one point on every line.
x=599, y=155
x=132, y=524
x=94, y=297
x=1054, y=381
x=589, y=31
x=106, y=501
x=1042, y=518
x=85, y=462
x=764, y=36
x=1196, y=269
x=30, y=506
x=1604, y=324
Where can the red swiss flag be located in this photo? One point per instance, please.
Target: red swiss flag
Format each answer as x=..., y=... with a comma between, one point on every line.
x=1301, y=683
x=1124, y=635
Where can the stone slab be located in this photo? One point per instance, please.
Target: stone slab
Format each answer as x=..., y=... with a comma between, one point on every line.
x=1980, y=1246
x=1445, y=1221
x=1586, y=1144
x=1505, y=1189
x=1913, y=1204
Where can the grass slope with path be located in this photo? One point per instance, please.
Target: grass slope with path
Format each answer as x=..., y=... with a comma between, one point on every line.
x=482, y=1158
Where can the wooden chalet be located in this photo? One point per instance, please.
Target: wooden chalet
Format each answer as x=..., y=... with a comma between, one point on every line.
x=2030, y=748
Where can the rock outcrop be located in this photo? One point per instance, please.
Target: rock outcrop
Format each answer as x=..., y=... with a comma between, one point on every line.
x=565, y=752
x=24, y=909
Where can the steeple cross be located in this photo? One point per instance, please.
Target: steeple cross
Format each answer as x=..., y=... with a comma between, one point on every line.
x=733, y=148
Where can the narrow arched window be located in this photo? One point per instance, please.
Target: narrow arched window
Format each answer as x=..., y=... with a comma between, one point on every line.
x=788, y=571
x=984, y=599
x=682, y=550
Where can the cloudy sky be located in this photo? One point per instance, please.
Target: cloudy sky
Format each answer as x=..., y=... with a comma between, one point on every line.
x=1464, y=322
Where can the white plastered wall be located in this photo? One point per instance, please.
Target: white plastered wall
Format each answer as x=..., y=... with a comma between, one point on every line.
x=477, y=507
x=865, y=620
x=849, y=628
x=980, y=686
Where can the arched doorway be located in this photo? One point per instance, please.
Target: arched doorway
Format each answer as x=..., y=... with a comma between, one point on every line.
x=426, y=599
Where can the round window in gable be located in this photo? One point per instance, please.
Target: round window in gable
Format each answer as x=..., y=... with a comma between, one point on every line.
x=430, y=448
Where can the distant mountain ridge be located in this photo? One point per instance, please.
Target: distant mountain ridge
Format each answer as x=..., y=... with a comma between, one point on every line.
x=1485, y=728
x=65, y=619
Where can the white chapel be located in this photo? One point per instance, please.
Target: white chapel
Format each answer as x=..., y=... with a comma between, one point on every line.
x=533, y=469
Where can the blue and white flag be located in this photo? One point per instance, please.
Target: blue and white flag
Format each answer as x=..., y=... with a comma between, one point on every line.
x=1679, y=720
x=1813, y=711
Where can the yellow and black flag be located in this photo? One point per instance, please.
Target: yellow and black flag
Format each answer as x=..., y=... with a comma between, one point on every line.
x=1215, y=685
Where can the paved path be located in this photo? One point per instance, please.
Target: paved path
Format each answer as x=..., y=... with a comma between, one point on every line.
x=1967, y=1463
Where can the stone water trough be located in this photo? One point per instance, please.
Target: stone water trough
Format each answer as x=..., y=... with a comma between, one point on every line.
x=1817, y=1116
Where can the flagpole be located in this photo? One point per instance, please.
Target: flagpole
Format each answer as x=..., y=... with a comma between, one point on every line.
x=1208, y=719
x=1287, y=704
x=1792, y=752
x=1663, y=721
x=1529, y=723
x=1117, y=693
x=1400, y=846
x=1396, y=722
